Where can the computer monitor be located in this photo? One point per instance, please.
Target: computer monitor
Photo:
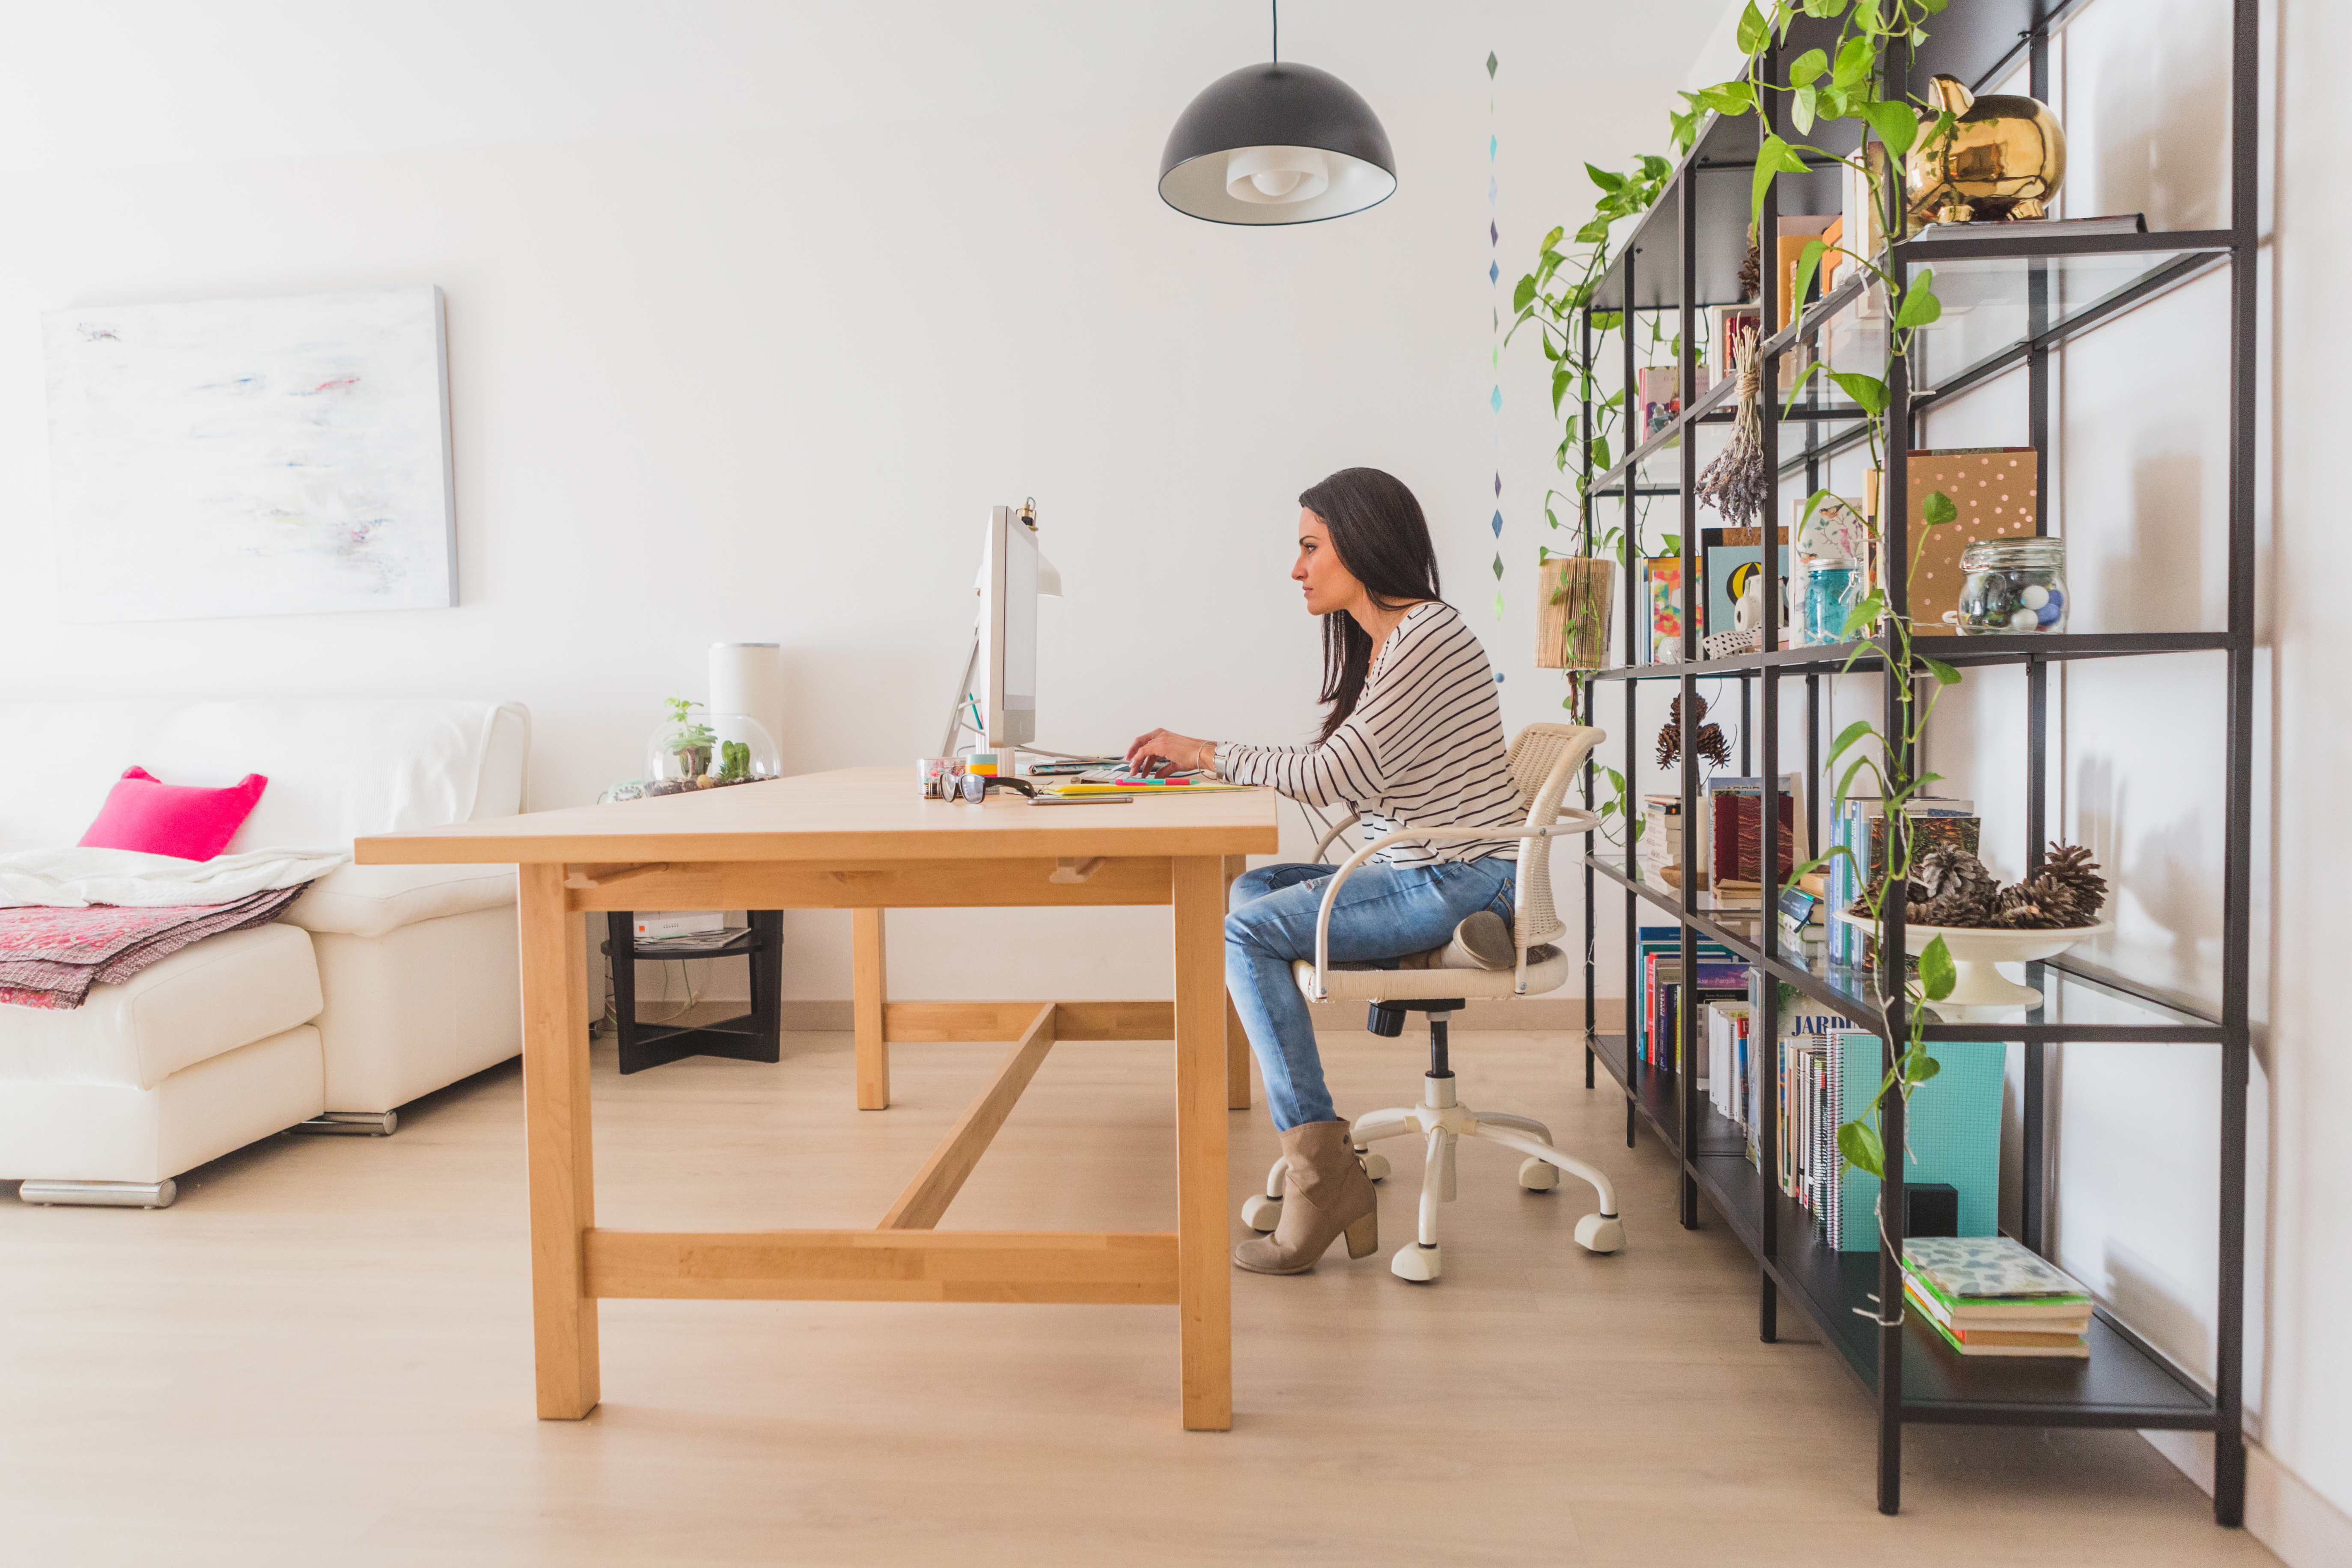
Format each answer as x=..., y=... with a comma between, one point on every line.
x=1006, y=675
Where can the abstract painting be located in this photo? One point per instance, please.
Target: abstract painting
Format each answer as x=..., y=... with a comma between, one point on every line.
x=252, y=457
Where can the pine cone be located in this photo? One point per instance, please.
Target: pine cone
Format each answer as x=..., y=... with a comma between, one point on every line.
x=1751, y=268
x=1959, y=890
x=2068, y=886
x=2019, y=910
x=1710, y=743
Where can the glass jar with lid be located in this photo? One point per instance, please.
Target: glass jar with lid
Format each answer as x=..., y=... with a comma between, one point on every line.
x=2012, y=585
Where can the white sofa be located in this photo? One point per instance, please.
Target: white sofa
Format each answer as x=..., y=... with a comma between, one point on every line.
x=380, y=983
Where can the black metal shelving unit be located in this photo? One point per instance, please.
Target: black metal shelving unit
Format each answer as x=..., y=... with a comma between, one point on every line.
x=2041, y=288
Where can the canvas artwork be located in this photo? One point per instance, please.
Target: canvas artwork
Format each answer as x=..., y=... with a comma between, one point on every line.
x=252, y=457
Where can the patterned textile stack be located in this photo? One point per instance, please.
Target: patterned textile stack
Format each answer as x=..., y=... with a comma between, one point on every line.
x=50, y=957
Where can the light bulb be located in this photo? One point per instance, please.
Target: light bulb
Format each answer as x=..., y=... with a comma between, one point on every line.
x=1272, y=176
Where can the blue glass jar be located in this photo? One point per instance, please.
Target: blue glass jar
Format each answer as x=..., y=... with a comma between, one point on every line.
x=1831, y=591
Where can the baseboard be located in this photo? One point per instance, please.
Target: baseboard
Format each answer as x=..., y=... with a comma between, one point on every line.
x=1546, y=1013
x=2283, y=1511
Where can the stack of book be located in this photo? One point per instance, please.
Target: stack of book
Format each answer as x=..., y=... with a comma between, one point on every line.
x=1990, y=1296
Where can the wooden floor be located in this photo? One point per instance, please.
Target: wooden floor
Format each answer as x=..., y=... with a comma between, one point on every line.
x=320, y=1356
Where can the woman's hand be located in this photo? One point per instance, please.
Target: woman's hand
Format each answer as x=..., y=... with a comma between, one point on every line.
x=1165, y=751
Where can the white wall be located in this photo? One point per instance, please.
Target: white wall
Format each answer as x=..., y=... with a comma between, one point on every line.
x=755, y=309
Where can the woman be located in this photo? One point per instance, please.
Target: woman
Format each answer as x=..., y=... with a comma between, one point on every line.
x=1413, y=737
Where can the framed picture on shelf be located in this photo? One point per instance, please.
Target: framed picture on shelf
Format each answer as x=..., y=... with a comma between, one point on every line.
x=1662, y=598
x=1729, y=559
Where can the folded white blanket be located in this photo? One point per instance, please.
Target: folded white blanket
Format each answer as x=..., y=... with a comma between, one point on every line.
x=76, y=878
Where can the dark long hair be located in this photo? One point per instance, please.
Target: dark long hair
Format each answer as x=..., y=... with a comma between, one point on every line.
x=1384, y=541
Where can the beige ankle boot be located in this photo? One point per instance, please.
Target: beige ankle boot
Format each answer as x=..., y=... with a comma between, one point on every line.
x=1329, y=1194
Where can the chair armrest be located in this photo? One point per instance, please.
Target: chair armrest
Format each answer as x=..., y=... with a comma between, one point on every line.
x=1573, y=824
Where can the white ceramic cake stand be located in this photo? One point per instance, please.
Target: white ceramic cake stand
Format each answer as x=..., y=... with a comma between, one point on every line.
x=1976, y=949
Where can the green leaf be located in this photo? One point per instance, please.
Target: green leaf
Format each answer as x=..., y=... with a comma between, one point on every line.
x=1604, y=179
x=1752, y=31
x=1853, y=62
x=1825, y=8
x=1937, y=975
x=1551, y=239
x=1938, y=509
x=1848, y=736
x=1807, y=68
x=1895, y=123
x=1808, y=262
x=1944, y=673
x=1846, y=784
x=1800, y=111
x=1728, y=97
x=1865, y=615
x=1919, y=1067
x=1868, y=392
x=1858, y=1141
x=1601, y=453
x=1593, y=233
x=1655, y=167
x=1775, y=157
x=1525, y=294
x=1920, y=307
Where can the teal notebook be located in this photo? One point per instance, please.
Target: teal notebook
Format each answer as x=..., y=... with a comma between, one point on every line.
x=1953, y=1133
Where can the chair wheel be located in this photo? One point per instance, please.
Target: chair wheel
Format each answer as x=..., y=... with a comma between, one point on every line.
x=1376, y=1166
x=1262, y=1213
x=1601, y=1233
x=1539, y=1176
x=1420, y=1264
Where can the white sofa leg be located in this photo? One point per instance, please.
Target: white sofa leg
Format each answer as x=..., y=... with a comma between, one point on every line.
x=102, y=1194
x=353, y=1123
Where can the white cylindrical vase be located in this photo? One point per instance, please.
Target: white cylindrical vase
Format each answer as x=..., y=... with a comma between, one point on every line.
x=747, y=678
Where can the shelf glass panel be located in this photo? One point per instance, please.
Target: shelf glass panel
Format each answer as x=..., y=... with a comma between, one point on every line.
x=2071, y=1004
x=1988, y=301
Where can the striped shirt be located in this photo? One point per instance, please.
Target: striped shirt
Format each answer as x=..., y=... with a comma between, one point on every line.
x=1424, y=746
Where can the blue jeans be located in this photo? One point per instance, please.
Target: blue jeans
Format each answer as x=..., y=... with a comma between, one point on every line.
x=1385, y=912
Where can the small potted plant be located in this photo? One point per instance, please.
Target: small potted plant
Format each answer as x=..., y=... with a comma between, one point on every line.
x=679, y=754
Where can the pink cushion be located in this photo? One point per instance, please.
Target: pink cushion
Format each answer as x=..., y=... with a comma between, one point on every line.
x=143, y=814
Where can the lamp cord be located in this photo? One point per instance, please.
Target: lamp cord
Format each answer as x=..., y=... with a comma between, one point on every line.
x=1276, y=5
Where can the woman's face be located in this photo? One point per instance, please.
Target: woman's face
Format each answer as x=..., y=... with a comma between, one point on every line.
x=1328, y=586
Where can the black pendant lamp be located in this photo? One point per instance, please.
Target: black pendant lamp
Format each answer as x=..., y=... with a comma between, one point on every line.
x=1276, y=143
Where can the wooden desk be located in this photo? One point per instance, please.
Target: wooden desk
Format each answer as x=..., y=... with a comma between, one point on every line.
x=861, y=839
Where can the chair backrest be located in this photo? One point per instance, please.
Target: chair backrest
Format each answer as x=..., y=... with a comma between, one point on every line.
x=1543, y=760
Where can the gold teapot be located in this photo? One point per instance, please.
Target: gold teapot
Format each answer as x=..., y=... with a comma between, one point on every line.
x=2003, y=161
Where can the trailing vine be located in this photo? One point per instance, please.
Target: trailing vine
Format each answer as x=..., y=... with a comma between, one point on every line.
x=1842, y=82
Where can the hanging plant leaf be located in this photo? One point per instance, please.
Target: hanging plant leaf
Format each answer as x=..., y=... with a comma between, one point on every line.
x=1920, y=307
x=1937, y=975
x=1858, y=1141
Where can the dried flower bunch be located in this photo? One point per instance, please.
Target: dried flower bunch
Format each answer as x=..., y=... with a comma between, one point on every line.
x=1953, y=889
x=1709, y=743
x=1735, y=484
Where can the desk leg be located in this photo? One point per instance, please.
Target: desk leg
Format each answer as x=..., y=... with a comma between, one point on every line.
x=1203, y=1271
x=1237, y=1048
x=867, y=987
x=558, y=1139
